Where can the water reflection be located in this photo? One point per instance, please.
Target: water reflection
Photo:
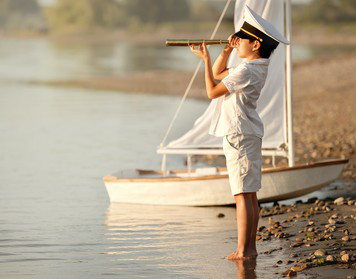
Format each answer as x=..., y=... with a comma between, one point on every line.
x=173, y=241
x=246, y=269
x=184, y=242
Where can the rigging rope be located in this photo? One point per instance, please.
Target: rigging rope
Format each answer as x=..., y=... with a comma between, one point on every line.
x=194, y=76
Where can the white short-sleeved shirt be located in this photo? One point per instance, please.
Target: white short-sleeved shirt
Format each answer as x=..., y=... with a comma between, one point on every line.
x=235, y=112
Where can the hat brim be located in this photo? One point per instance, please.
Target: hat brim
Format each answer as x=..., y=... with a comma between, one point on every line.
x=242, y=35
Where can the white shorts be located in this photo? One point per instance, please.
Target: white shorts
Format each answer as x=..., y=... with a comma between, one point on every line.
x=243, y=162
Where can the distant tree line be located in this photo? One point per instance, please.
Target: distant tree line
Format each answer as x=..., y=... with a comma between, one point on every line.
x=328, y=11
x=84, y=15
x=157, y=11
x=21, y=15
x=87, y=14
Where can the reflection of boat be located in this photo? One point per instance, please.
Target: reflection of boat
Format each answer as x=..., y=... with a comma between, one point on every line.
x=210, y=186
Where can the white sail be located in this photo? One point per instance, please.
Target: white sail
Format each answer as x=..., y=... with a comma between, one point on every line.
x=271, y=104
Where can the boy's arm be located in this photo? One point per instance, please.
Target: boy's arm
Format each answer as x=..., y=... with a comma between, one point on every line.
x=219, y=68
x=213, y=90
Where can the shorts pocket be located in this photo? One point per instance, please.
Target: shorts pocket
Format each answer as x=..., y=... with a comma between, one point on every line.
x=244, y=166
x=232, y=141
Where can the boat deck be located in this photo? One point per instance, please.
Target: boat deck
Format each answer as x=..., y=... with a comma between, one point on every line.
x=209, y=172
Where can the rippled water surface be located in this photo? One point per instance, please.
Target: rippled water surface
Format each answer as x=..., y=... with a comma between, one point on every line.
x=57, y=144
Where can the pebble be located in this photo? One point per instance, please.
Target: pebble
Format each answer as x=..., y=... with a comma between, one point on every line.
x=290, y=273
x=346, y=232
x=298, y=239
x=302, y=260
x=343, y=253
x=293, y=256
x=299, y=267
x=345, y=238
x=345, y=258
x=319, y=262
x=334, y=216
x=339, y=201
x=320, y=253
x=271, y=221
x=328, y=236
x=311, y=223
x=332, y=221
x=329, y=258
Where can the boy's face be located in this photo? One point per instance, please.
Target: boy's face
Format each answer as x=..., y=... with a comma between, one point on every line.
x=245, y=48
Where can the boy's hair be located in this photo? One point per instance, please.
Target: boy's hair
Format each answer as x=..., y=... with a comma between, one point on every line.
x=264, y=51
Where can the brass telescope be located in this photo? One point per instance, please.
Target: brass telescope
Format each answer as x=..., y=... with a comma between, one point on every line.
x=185, y=42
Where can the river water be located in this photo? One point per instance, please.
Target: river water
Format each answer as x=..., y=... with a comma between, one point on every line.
x=56, y=220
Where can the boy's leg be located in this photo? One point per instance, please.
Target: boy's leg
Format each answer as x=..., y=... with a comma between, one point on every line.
x=245, y=218
x=256, y=216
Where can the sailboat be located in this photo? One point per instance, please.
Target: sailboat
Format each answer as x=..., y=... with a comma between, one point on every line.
x=209, y=186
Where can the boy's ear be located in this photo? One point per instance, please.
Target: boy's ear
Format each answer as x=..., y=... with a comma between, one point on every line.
x=256, y=45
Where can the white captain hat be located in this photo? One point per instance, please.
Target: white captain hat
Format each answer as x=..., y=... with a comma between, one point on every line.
x=257, y=28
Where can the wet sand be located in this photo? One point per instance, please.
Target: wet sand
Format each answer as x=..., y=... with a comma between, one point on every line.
x=318, y=237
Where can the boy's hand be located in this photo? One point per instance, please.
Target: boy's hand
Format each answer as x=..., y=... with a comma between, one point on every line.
x=202, y=52
x=233, y=40
x=232, y=43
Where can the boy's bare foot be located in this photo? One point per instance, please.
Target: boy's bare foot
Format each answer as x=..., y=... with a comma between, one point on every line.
x=252, y=254
x=236, y=256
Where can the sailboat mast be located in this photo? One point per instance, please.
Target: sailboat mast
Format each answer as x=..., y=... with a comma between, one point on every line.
x=289, y=79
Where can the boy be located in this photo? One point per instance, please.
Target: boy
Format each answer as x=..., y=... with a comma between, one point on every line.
x=235, y=118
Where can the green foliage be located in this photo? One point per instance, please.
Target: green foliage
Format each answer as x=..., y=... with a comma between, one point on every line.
x=68, y=16
x=18, y=6
x=201, y=10
x=84, y=14
x=157, y=11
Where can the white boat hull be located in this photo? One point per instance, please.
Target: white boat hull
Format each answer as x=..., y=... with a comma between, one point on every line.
x=214, y=190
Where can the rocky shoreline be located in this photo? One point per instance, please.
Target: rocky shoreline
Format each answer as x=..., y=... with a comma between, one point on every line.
x=317, y=236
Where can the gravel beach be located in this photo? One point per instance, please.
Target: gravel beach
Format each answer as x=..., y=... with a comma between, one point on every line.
x=318, y=237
